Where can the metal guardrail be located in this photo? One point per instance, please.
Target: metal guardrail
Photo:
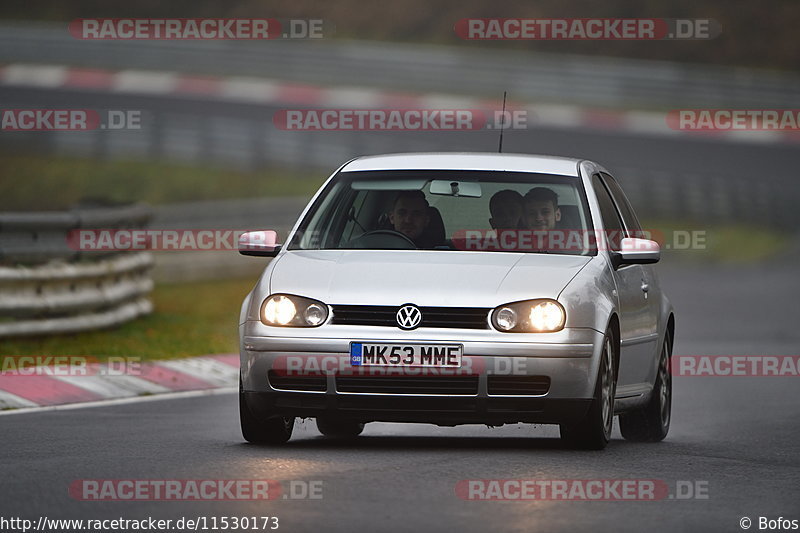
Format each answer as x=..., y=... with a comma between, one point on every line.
x=34, y=238
x=528, y=76
x=47, y=287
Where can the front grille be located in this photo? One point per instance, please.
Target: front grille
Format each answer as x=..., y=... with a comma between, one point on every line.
x=297, y=383
x=518, y=385
x=432, y=317
x=464, y=385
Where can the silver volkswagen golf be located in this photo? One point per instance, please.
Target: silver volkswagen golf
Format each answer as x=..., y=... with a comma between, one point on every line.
x=451, y=289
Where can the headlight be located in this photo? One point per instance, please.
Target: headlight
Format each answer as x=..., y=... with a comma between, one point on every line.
x=506, y=319
x=529, y=316
x=293, y=311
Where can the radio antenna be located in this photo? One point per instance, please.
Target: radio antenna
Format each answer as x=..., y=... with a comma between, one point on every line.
x=502, y=124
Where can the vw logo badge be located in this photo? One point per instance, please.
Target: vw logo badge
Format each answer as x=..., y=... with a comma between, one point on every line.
x=408, y=316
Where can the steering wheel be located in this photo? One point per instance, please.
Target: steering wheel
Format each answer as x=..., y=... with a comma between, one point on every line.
x=383, y=238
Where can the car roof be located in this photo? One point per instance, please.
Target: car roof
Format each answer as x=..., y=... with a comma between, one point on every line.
x=544, y=164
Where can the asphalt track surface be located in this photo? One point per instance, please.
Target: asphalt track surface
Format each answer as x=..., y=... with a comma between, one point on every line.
x=737, y=437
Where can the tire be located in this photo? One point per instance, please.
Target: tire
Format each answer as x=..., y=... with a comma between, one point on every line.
x=651, y=422
x=594, y=431
x=277, y=430
x=337, y=428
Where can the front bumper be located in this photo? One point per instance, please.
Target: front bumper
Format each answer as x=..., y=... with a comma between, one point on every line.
x=569, y=359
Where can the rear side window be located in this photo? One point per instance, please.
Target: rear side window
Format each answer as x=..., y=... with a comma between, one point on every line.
x=611, y=220
x=628, y=216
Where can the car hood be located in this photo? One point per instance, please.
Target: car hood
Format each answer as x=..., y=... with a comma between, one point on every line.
x=425, y=278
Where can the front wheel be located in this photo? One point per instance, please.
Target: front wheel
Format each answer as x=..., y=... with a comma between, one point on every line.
x=594, y=431
x=651, y=422
x=263, y=431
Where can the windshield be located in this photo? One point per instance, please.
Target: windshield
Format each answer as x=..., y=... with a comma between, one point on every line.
x=489, y=211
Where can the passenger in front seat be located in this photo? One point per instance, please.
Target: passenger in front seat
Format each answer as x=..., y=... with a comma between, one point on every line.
x=541, y=209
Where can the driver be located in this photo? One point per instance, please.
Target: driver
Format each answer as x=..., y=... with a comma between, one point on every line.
x=410, y=215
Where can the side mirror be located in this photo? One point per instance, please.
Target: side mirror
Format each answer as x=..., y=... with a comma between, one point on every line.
x=636, y=252
x=259, y=243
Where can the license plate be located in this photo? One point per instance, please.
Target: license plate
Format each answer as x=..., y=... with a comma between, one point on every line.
x=392, y=354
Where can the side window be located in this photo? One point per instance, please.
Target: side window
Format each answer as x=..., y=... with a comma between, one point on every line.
x=625, y=209
x=611, y=221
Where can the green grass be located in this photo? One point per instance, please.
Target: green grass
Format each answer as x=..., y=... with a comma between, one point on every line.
x=68, y=180
x=189, y=319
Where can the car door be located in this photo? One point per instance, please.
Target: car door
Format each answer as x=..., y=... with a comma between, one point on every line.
x=650, y=284
x=637, y=324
